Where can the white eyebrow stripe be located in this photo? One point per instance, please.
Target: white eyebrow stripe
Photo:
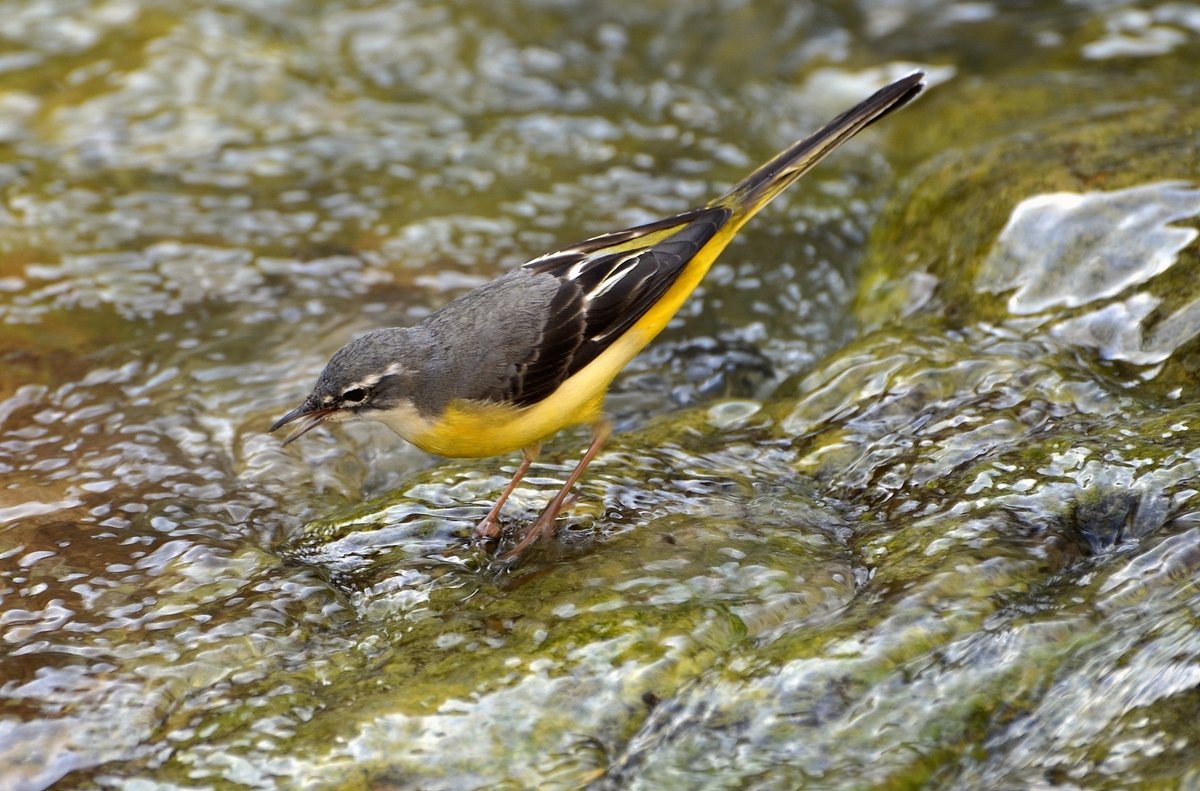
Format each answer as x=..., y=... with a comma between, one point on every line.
x=370, y=381
x=363, y=384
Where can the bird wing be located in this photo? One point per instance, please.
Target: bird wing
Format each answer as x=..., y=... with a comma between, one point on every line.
x=606, y=284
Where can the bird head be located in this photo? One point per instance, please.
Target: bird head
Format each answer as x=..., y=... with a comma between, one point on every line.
x=366, y=378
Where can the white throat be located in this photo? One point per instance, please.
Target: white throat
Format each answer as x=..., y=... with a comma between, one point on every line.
x=404, y=419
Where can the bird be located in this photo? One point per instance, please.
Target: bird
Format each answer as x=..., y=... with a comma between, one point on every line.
x=508, y=365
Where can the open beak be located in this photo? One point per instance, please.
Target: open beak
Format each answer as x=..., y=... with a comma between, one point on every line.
x=309, y=418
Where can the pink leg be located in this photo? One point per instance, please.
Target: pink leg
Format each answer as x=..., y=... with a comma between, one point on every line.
x=489, y=527
x=545, y=522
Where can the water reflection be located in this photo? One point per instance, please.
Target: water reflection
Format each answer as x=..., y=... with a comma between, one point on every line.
x=914, y=560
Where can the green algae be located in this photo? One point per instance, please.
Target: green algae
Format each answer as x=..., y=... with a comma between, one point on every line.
x=983, y=461
x=1118, y=134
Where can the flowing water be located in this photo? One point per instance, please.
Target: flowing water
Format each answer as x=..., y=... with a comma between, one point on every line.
x=905, y=497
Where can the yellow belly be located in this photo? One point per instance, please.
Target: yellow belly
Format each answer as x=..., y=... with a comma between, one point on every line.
x=475, y=429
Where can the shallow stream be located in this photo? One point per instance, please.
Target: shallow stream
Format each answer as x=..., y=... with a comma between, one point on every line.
x=905, y=497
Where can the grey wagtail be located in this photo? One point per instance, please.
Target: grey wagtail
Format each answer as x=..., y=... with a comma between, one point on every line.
x=513, y=362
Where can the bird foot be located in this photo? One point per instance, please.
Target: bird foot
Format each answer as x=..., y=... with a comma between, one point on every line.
x=486, y=531
x=543, y=526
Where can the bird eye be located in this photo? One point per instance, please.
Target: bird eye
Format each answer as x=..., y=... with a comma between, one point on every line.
x=354, y=395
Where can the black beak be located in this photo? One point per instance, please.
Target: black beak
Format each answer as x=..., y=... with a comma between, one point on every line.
x=309, y=416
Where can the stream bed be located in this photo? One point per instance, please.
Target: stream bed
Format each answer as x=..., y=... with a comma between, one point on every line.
x=905, y=497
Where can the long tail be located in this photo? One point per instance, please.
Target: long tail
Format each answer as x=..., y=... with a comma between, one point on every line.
x=772, y=178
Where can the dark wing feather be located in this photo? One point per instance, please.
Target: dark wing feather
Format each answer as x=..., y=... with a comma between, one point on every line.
x=602, y=294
